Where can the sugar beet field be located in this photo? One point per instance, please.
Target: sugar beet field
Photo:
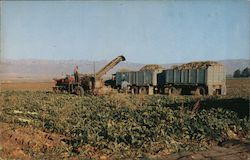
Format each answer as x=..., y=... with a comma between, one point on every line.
x=44, y=125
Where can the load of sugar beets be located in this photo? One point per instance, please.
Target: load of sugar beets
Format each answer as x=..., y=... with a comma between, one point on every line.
x=197, y=78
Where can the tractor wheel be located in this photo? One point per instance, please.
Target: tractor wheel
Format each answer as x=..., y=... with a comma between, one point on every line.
x=200, y=91
x=55, y=89
x=79, y=91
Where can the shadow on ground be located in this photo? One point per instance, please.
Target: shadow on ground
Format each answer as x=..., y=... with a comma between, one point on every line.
x=238, y=105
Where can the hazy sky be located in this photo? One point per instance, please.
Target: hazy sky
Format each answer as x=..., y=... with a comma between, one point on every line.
x=143, y=31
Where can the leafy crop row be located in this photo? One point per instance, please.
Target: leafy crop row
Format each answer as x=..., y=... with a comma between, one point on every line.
x=125, y=125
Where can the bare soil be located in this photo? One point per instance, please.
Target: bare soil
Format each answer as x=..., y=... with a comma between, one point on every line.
x=19, y=142
x=30, y=86
x=238, y=87
x=231, y=150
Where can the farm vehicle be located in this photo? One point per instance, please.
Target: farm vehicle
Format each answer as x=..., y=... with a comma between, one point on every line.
x=87, y=83
x=198, y=78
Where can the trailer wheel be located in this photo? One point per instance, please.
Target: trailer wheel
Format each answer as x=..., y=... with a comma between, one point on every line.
x=134, y=90
x=143, y=90
x=79, y=91
x=173, y=91
x=200, y=91
x=165, y=90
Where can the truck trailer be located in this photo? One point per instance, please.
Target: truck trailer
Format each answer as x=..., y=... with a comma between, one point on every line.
x=199, y=78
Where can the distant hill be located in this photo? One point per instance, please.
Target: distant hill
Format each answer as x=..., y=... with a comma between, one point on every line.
x=44, y=70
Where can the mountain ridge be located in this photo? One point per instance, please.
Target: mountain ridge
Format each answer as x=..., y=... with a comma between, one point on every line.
x=40, y=69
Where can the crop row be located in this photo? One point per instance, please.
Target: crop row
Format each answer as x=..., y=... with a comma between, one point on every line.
x=125, y=124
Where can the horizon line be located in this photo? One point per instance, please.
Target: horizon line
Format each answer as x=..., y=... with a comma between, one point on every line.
x=43, y=59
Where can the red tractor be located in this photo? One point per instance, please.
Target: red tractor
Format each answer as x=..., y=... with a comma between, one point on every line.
x=87, y=83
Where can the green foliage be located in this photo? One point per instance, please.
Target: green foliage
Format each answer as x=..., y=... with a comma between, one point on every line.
x=146, y=125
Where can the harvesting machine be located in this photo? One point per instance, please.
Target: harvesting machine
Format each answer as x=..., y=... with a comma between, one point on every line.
x=87, y=83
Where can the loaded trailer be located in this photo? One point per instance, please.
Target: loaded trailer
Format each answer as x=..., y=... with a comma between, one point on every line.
x=139, y=82
x=204, y=81
x=142, y=82
x=208, y=79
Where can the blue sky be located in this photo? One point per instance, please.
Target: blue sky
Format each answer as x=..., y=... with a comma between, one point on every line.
x=143, y=31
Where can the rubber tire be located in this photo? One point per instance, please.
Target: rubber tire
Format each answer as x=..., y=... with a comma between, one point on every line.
x=165, y=91
x=134, y=90
x=79, y=91
x=143, y=90
x=174, y=91
x=200, y=91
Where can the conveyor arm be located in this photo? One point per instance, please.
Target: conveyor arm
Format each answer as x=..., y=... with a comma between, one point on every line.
x=109, y=66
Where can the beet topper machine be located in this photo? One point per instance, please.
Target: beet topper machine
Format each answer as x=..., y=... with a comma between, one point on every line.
x=87, y=83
